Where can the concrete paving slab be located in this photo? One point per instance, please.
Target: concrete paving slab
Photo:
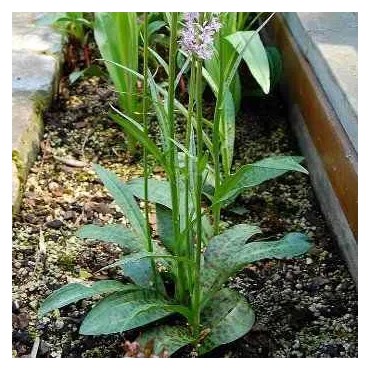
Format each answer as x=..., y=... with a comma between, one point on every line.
x=29, y=36
x=32, y=72
x=36, y=56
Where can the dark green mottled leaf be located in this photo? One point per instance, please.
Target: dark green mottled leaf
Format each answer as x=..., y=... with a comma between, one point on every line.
x=227, y=253
x=74, y=292
x=165, y=338
x=111, y=313
x=220, y=257
x=228, y=316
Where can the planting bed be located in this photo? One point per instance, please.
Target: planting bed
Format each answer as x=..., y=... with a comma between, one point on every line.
x=306, y=307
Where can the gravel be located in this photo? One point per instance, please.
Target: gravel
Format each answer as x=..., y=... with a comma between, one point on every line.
x=306, y=307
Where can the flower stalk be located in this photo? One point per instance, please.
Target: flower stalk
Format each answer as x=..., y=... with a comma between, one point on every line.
x=198, y=193
x=145, y=152
x=173, y=161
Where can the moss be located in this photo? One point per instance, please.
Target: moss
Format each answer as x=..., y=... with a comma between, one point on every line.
x=20, y=166
x=32, y=333
x=67, y=261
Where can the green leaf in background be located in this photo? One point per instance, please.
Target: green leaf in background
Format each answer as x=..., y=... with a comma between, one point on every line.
x=257, y=173
x=124, y=198
x=117, y=234
x=111, y=313
x=74, y=292
x=155, y=26
x=93, y=70
x=165, y=338
x=254, y=55
x=117, y=36
x=228, y=316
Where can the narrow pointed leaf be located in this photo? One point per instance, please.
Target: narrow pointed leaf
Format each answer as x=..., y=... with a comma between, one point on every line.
x=228, y=316
x=135, y=130
x=74, y=292
x=165, y=338
x=257, y=173
x=117, y=234
x=124, y=198
x=111, y=313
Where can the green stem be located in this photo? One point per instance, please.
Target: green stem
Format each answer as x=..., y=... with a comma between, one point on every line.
x=188, y=239
x=198, y=197
x=145, y=153
x=180, y=291
x=218, y=115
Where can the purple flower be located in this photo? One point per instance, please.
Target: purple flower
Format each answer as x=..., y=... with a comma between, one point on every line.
x=197, y=38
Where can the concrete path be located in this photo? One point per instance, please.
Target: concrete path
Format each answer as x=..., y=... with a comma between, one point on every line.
x=329, y=42
x=36, y=53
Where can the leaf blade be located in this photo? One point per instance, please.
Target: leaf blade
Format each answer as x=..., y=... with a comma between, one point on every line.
x=228, y=316
x=74, y=292
x=109, y=315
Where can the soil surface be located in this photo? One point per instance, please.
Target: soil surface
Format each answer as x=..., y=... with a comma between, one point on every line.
x=306, y=307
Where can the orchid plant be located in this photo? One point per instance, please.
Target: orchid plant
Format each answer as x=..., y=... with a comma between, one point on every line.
x=182, y=274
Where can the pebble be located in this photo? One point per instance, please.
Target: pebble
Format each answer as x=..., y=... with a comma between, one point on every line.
x=59, y=324
x=55, y=224
x=44, y=348
x=15, y=306
x=289, y=275
x=309, y=261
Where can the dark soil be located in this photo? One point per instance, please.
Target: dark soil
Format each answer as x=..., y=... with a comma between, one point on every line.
x=305, y=307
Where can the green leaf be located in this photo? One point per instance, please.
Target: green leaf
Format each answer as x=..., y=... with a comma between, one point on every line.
x=165, y=338
x=165, y=226
x=227, y=132
x=257, y=173
x=74, y=292
x=221, y=258
x=136, y=130
x=291, y=245
x=118, y=234
x=159, y=191
x=228, y=316
x=111, y=313
x=93, y=70
x=159, y=59
x=155, y=26
x=124, y=198
x=228, y=253
x=254, y=55
x=117, y=36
